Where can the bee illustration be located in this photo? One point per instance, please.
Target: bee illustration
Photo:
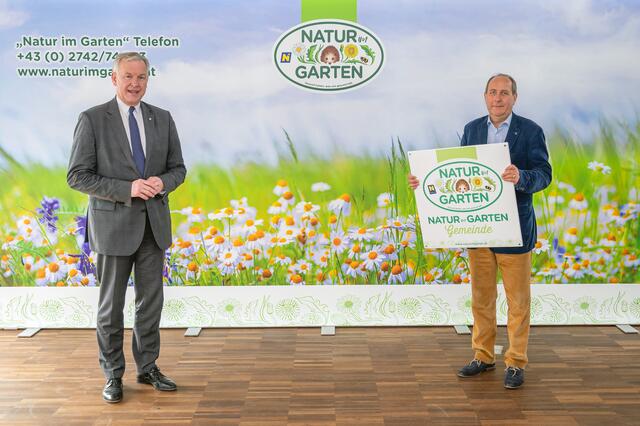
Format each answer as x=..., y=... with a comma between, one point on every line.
x=363, y=59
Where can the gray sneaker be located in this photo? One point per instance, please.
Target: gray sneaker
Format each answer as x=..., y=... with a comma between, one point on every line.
x=474, y=368
x=513, y=377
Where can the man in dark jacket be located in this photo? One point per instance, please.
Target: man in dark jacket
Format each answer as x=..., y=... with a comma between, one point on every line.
x=530, y=172
x=126, y=156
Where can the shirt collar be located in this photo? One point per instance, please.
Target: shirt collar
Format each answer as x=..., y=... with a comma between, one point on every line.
x=506, y=122
x=124, y=108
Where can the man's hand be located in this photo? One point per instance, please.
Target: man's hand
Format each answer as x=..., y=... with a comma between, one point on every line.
x=141, y=188
x=157, y=184
x=414, y=183
x=511, y=174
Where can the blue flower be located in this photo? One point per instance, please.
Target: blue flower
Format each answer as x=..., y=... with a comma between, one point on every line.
x=47, y=212
x=81, y=225
x=558, y=250
x=168, y=267
x=85, y=265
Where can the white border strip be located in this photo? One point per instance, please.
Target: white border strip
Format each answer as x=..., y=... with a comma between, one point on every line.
x=311, y=306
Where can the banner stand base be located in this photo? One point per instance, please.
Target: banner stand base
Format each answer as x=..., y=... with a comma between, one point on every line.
x=328, y=330
x=29, y=332
x=462, y=329
x=627, y=329
x=192, y=332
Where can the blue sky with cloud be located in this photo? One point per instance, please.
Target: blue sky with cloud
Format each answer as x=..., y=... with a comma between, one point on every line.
x=575, y=61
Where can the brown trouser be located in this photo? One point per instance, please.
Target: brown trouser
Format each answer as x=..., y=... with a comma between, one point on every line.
x=516, y=276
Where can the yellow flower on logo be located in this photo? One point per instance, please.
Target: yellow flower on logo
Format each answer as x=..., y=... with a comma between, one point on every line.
x=477, y=181
x=351, y=50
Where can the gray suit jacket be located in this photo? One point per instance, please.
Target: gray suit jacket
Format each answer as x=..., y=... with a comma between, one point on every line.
x=102, y=166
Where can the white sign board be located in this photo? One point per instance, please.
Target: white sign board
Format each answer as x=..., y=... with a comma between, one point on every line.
x=462, y=200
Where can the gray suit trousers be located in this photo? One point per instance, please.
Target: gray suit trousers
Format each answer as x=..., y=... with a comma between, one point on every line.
x=113, y=274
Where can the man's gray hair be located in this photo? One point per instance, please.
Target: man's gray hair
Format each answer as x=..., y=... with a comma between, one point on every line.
x=514, y=86
x=127, y=57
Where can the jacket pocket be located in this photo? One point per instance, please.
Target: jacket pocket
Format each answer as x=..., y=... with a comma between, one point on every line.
x=99, y=204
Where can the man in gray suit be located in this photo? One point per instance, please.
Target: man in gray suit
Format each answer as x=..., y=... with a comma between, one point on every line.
x=126, y=156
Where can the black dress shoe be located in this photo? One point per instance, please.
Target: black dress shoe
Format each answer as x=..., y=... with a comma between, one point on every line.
x=112, y=391
x=158, y=380
x=474, y=368
x=513, y=377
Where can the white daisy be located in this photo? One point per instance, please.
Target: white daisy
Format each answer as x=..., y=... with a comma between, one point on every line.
x=278, y=207
x=385, y=200
x=281, y=187
x=354, y=269
x=397, y=275
x=341, y=206
x=541, y=245
x=305, y=208
x=372, y=259
x=282, y=260
x=320, y=187
x=339, y=242
x=88, y=280
x=320, y=257
x=194, y=214
x=433, y=276
x=299, y=49
x=578, y=202
x=296, y=279
x=301, y=267
x=571, y=235
x=55, y=271
x=567, y=187
x=599, y=167
x=361, y=234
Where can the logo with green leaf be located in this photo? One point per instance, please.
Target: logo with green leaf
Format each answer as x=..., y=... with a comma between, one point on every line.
x=329, y=55
x=462, y=186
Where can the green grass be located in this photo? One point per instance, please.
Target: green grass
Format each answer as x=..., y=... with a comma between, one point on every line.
x=364, y=177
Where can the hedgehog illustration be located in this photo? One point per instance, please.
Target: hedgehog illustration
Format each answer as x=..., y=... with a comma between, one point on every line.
x=462, y=186
x=329, y=55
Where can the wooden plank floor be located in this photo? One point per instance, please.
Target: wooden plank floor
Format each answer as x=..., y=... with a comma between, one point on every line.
x=368, y=376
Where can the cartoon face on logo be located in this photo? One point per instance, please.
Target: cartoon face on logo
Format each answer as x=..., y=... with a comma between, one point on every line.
x=329, y=55
x=462, y=186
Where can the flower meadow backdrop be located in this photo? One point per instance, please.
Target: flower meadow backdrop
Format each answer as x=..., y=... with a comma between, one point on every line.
x=296, y=224
x=290, y=188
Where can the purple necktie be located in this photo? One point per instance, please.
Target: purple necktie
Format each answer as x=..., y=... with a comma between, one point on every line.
x=136, y=142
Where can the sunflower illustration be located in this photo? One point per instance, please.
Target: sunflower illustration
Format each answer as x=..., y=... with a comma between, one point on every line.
x=351, y=51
